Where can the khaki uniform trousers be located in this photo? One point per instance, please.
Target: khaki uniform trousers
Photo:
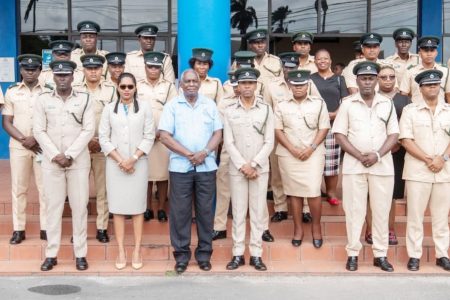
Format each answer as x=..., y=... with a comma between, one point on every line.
x=249, y=195
x=355, y=189
x=279, y=198
x=419, y=194
x=58, y=184
x=23, y=164
x=98, y=167
x=223, y=192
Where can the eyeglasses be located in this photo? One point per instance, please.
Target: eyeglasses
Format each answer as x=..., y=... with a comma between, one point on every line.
x=390, y=77
x=126, y=86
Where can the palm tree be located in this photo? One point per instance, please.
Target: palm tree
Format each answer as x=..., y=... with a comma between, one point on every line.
x=242, y=18
x=280, y=16
x=31, y=5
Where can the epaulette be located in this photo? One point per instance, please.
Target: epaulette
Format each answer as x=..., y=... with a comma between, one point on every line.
x=316, y=98
x=45, y=92
x=48, y=86
x=347, y=97
x=274, y=56
x=13, y=85
x=410, y=67
x=133, y=52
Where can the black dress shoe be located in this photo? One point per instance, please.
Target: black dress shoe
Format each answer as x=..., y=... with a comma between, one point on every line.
x=102, y=236
x=317, y=243
x=306, y=218
x=219, y=234
x=269, y=195
x=257, y=263
x=413, y=264
x=43, y=235
x=81, y=263
x=236, y=262
x=148, y=215
x=267, y=236
x=444, y=263
x=162, y=216
x=49, y=263
x=383, y=264
x=17, y=237
x=204, y=265
x=296, y=243
x=180, y=267
x=279, y=216
x=352, y=263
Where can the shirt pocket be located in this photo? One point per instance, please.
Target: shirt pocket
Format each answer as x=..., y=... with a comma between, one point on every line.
x=445, y=126
x=422, y=128
x=21, y=106
x=311, y=120
x=356, y=123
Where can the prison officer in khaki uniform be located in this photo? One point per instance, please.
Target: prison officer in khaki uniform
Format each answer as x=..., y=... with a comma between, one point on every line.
x=135, y=59
x=25, y=152
x=428, y=53
x=158, y=92
x=403, y=59
x=249, y=140
x=366, y=128
x=116, y=66
x=301, y=43
x=425, y=134
x=63, y=124
x=88, y=39
x=101, y=93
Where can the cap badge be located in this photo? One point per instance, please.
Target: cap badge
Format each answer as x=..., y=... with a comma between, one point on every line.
x=431, y=76
x=258, y=34
x=116, y=58
x=247, y=74
x=369, y=68
x=292, y=58
x=87, y=26
x=155, y=58
x=371, y=36
x=203, y=54
x=299, y=75
x=429, y=42
x=303, y=36
x=30, y=60
x=404, y=32
x=249, y=60
x=60, y=66
x=60, y=46
x=91, y=60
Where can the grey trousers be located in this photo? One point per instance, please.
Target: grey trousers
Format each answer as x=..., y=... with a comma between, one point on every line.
x=185, y=187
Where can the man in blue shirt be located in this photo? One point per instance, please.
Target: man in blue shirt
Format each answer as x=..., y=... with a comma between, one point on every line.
x=190, y=127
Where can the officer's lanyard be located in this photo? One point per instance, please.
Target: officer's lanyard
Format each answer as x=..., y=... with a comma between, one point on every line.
x=261, y=130
x=82, y=115
x=167, y=96
x=318, y=119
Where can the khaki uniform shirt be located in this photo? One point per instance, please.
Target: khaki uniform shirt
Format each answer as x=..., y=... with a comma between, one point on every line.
x=46, y=78
x=277, y=91
x=249, y=135
x=229, y=92
x=400, y=66
x=78, y=53
x=270, y=68
x=105, y=93
x=350, y=78
x=212, y=88
x=300, y=122
x=309, y=65
x=64, y=127
x=366, y=129
x=19, y=103
x=134, y=63
x=431, y=133
x=411, y=87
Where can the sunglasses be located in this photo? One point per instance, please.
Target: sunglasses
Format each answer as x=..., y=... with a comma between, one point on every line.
x=390, y=77
x=126, y=86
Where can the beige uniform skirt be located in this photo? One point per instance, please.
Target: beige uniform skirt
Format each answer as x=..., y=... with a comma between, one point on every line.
x=158, y=162
x=302, y=178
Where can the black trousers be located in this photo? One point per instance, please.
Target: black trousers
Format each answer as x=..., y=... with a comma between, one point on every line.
x=399, y=161
x=184, y=187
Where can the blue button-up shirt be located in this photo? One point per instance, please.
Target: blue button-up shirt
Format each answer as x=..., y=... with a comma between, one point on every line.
x=192, y=127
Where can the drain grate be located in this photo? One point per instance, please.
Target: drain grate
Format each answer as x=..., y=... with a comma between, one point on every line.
x=55, y=289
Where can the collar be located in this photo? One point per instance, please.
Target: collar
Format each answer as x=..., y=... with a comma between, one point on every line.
x=440, y=106
x=73, y=93
x=160, y=80
x=377, y=99
x=255, y=103
x=22, y=84
x=182, y=99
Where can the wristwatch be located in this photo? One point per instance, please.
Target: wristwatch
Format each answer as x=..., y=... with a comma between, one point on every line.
x=313, y=146
x=445, y=157
x=253, y=164
x=207, y=151
x=69, y=157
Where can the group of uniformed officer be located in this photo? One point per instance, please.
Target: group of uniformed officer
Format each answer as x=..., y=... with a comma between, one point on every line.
x=53, y=115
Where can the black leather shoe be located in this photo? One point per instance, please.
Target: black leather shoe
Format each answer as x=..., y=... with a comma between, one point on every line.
x=204, y=265
x=43, y=235
x=49, y=263
x=257, y=263
x=102, y=236
x=148, y=215
x=180, y=267
x=317, y=243
x=162, y=216
x=306, y=218
x=269, y=195
x=279, y=216
x=17, y=237
x=81, y=263
x=236, y=262
x=383, y=264
x=267, y=236
x=219, y=234
x=413, y=264
x=444, y=263
x=296, y=243
x=352, y=263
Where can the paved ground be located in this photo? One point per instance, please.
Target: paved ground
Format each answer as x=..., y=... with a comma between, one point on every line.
x=221, y=287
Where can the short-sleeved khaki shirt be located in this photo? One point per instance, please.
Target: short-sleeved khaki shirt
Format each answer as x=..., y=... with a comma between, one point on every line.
x=270, y=68
x=249, y=135
x=366, y=129
x=277, y=91
x=309, y=65
x=431, y=133
x=410, y=87
x=350, y=78
x=78, y=53
x=212, y=88
x=300, y=122
x=400, y=65
x=19, y=103
x=134, y=64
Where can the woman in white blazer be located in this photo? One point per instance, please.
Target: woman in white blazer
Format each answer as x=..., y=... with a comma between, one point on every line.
x=126, y=135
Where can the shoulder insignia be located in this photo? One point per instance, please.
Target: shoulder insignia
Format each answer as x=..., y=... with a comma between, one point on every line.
x=410, y=67
x=13, y=85
x=48, y=86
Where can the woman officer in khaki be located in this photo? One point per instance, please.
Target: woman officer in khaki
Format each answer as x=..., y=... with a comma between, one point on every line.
x=301, y=125
x=158, y=91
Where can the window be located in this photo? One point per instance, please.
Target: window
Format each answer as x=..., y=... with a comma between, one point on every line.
x=245, y=15
x=388, y=16
x=289, y=16
x=104, y=12
x=44, y=16
x=138, y=12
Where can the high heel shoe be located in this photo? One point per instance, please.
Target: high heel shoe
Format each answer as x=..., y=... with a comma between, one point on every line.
x=120, y=265
x=136, y=263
